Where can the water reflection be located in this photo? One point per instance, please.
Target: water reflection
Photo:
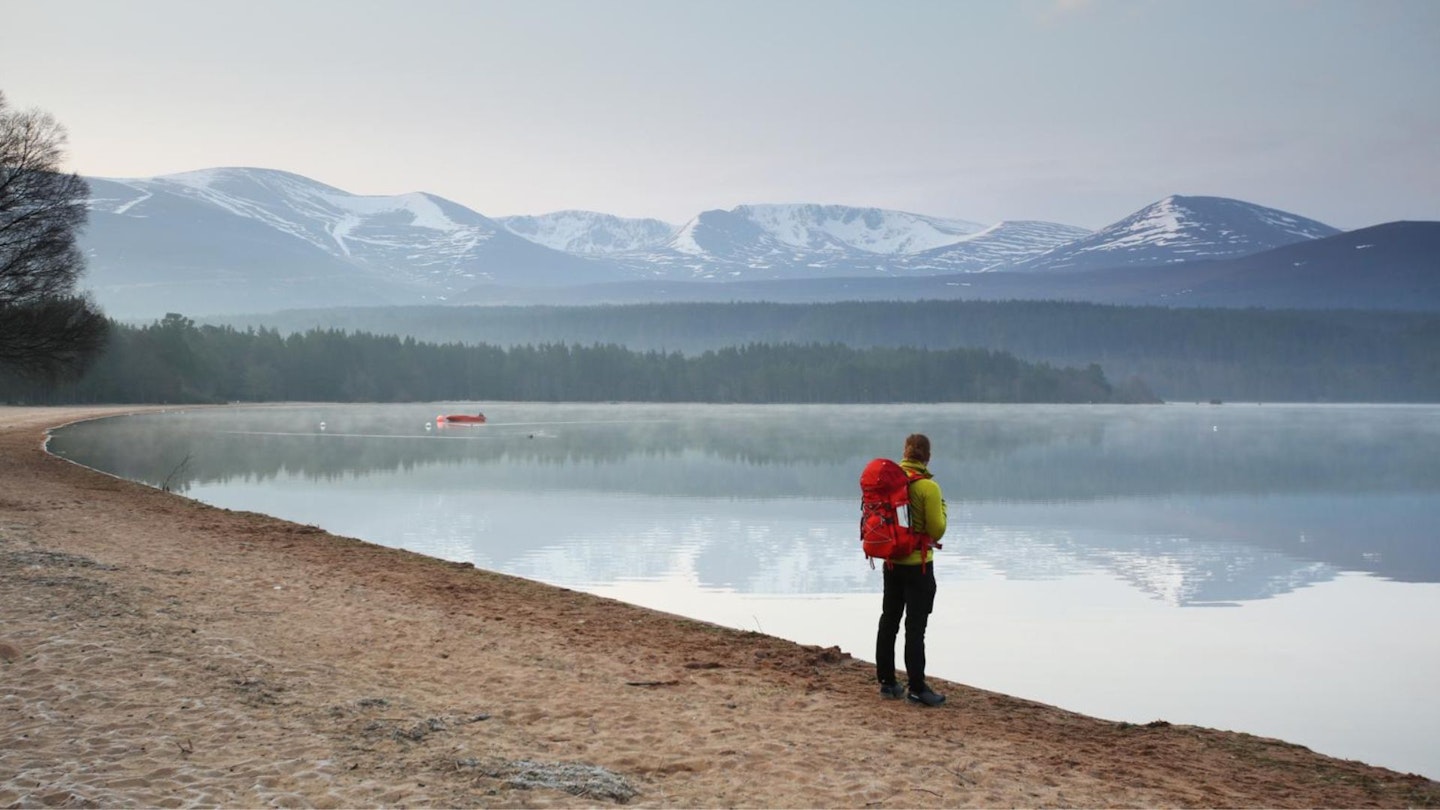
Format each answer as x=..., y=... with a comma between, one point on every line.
x=1193, y=505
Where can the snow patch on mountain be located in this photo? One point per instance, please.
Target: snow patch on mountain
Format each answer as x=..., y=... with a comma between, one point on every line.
x=772, y=241
x=245, y=192
x=758, y=242
x=684, y=239
x=589, y=232
x=842, y=228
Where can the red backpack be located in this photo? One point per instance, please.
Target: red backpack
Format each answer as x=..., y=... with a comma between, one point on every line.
x=884, y=490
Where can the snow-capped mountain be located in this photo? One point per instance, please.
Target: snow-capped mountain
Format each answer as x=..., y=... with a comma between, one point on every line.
x=1392, y=266
x=1181, y=229
x=796, y=241
x=226, y=237
x=255, y=240
x=590, y=233
x=839, y=228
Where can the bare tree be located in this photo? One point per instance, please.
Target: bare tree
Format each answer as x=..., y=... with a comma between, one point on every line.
x=46, y=328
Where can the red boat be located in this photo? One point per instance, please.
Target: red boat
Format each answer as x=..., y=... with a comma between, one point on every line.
x=460, y=419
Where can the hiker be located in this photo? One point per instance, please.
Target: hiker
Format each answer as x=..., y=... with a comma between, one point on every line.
x=910, y=584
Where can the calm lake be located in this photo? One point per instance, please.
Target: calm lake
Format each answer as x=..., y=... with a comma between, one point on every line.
x=1266, y=568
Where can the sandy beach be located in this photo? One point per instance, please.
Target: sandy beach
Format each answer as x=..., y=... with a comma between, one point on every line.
x=156, y=652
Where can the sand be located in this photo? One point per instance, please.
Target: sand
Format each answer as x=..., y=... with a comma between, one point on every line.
x=156, y=652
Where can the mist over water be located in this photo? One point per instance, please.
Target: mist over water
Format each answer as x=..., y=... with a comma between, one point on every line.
x=1270, y=569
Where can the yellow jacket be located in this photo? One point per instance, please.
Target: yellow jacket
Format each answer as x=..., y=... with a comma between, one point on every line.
x=927, y=510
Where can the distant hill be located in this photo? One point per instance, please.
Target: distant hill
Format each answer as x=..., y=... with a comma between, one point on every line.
x=1391, y=266
x=237, y=240
x=246, y=239
x=1395, y=266
x=1176, y=230
x=227, y=240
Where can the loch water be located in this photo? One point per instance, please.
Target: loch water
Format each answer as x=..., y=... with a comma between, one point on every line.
x=1265, y=568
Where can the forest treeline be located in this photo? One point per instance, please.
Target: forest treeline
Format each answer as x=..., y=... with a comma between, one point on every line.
x=1182, y=354
x=174, y=360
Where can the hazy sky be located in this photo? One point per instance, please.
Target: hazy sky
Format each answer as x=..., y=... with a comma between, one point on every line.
x=1074, y=111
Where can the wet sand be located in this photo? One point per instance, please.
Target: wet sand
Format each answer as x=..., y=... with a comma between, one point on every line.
x=156, y=652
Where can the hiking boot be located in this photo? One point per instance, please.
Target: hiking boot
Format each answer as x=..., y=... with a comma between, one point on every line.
x=925, y=696
x=893, y=691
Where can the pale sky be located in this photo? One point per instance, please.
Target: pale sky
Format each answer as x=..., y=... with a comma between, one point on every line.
x=1072, y=111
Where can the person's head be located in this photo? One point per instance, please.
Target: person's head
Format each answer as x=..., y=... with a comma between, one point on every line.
x=917, y=448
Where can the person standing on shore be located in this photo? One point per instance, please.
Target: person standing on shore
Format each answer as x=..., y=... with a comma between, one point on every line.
x=910, y=584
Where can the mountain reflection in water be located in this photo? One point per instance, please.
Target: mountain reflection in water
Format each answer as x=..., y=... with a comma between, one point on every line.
x=1190, y=504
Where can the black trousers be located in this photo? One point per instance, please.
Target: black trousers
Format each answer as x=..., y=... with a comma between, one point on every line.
x=909, y=592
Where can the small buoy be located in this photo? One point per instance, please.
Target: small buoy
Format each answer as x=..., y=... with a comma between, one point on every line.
x=1215, y=428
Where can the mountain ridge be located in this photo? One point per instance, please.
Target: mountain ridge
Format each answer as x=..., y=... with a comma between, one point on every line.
x=1178, y=229
x=246, y=239
x=1399, y=272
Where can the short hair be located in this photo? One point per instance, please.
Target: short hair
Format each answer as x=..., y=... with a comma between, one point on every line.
x=917, y=447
